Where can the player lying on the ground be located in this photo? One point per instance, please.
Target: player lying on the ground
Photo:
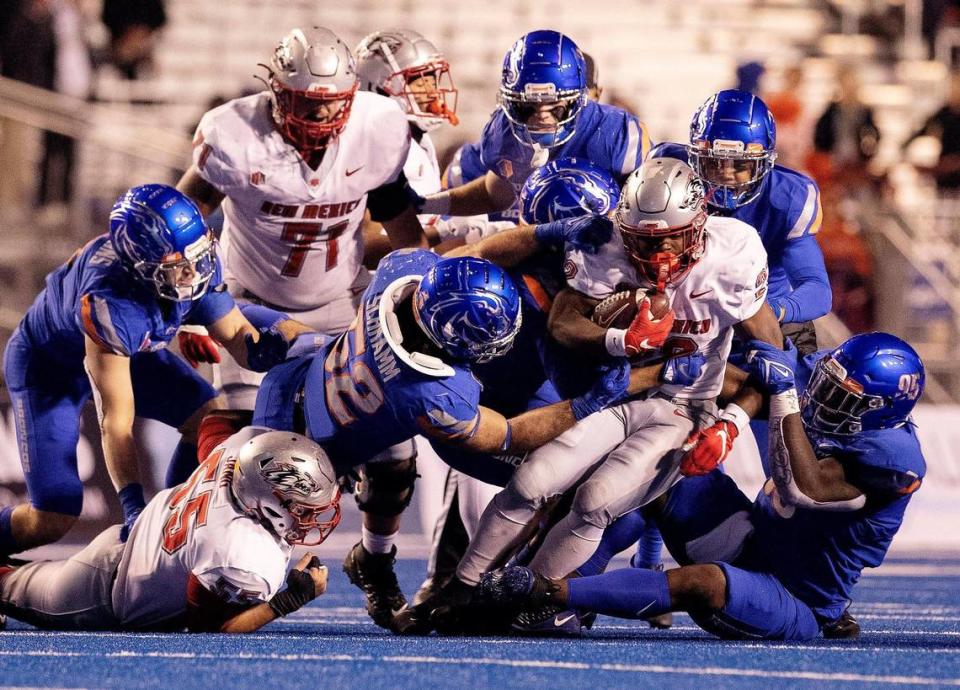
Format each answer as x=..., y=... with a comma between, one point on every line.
x=99, y=328
x=209, y=555
x=845, y=461
x=713, y=272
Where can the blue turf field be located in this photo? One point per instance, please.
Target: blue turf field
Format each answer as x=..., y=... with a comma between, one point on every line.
x=909, y=610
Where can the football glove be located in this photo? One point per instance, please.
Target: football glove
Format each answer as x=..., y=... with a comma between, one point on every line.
x=772, y=367
x=609, y=389
x=645, y=333
x=197, y=348
x=683, y=370
x=705, y=449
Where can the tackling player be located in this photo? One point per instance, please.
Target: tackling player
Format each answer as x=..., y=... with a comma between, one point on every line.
x=209, y=555
x=845, y=462
x=99, y=328
x=544, y=114
x=713, y=271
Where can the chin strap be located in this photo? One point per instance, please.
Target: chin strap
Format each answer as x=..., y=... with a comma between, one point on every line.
x=394, y=294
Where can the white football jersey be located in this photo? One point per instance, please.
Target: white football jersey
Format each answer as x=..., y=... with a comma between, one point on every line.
x=195, y=528
x=292, y=234
x=726, y=286
x=422, y=168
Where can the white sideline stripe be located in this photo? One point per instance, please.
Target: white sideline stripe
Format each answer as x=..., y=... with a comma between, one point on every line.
x=516, y=663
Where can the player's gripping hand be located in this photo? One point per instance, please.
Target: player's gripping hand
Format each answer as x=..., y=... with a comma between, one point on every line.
x=646, y=333
x=772, y=367
x=609, y=389
x=705, y=449
x=305, y=582
x=683, y=370
x=197, y=348
x=585, y=234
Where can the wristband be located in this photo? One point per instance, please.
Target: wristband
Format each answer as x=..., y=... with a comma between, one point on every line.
x=438, y=203
x=734, y=413
x=783, y=404
x=615, y=341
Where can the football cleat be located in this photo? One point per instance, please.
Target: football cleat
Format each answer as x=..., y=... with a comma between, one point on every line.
x=549, y=620
x=516, y=585
x=444, y=611
x=845, y=627
x=373, y=574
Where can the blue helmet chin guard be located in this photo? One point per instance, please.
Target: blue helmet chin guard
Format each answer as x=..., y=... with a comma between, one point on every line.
x=161, y=237
x=872, y=381
x=543, y=68
x=732, y=147
x=469, y=308
x=567, y=188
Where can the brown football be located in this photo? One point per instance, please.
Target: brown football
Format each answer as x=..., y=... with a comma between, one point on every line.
x=619, y=309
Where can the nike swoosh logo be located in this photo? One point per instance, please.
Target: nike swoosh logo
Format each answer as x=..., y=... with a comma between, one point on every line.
x=557, y=622
x=640, y=613
x=694, y=295
x=351, y=172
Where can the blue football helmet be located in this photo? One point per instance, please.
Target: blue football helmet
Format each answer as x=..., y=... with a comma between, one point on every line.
x=543, y=67
x=161, y=237
x=566, y=188
x=732, y=147
x=469, y=308
x=872, y=381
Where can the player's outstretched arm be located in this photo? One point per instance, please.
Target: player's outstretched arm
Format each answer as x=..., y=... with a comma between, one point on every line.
x=570, y=325
x=485, y=194
x=507, y=248
x=204, y=194
x=109, y=375
x=252, y=348
x=405, y=230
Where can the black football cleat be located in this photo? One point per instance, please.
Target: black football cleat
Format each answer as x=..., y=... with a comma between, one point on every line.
x=845, y=627
x=548, y=621
x=373, y=574
x=445, y=611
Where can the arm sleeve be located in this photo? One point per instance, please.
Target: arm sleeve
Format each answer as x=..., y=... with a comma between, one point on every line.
x=111, y=324
x=466, y=166
x=389, y=200
x=450, y=410
x=811, y=297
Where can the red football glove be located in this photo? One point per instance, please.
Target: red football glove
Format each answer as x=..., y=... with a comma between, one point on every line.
x=646, y=333
x=707, y=448
x=197, y=348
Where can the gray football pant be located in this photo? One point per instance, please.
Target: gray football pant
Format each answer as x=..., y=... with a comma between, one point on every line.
x=625, y=457
x=74, y=594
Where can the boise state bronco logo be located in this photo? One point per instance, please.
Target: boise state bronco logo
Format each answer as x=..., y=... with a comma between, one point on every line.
x=511, y=66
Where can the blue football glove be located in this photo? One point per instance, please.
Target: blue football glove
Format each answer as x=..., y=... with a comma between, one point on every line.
x=586, y=234
x=610, y=388
x=683, y=370
x=772, y=367
x=267, y=352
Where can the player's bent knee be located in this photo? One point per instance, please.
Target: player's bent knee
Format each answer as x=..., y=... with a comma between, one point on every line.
x=513, y=506
x=386, y=488
x=592, y=503
x=34, y=527
x=698, y=587
x=190, y=429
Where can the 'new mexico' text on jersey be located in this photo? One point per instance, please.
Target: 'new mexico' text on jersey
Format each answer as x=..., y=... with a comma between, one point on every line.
x=726, y=286
x=197, y=529
x=292, y=234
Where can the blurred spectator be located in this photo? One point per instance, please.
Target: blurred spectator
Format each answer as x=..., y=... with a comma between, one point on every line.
x=749, y=75
x=944, y=125
x=846, y=133
x=133, y=25
x=787, y=108
x=27, y=54
x=71, y=76
x=594, y=90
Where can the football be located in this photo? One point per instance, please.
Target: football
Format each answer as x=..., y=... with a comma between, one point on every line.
x=619, y=309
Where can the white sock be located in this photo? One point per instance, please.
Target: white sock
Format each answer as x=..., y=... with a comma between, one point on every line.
x=376, y=543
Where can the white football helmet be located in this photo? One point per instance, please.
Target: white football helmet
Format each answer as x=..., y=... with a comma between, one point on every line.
x=312, y=80
x=395, y=63
x=287, y=482
x=663, y=198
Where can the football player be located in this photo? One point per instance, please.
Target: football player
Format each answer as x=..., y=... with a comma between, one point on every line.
x=713, y=271
x=845, y=461
x=209, y=555
x=405, y=367
x=99, y=328
x=295, y=167
x=544, y=114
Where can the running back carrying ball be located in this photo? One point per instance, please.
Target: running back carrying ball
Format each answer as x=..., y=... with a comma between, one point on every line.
x=620, y=309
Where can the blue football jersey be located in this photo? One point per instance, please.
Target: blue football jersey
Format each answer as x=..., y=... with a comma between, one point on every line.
x=787, y=214
x=360, y=396
x=818, y=555
x=93, y=294
x=605, y=135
